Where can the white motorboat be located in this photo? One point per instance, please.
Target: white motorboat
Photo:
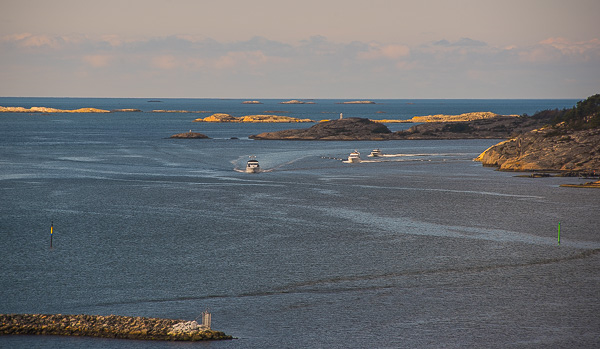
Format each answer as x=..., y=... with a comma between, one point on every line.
x=252, y=165
x=375, y=153
x=353, y=158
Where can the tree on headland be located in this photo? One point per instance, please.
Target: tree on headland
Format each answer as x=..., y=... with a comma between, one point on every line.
x=584, y=116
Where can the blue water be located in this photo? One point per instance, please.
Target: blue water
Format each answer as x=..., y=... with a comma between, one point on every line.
x=425, y=249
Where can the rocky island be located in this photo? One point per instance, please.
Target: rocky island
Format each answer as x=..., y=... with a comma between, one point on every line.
x=112, y=326
x=49, y=110
x=222, y=117
x=357, y=102
x=190, y=135
x=295, y=101
x=349, y=129
x=365, y=129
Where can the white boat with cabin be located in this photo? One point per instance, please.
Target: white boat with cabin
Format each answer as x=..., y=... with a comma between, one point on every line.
x=252, y=165
x=353, y=158
x=375, y=153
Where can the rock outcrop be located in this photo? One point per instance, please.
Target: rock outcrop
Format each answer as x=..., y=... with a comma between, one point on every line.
x=221, y=117
x=112, y=326
x=497, y=127
x=450, y=118
x=348, y=129
x=461, y=117
x=358, y=102
x=190, y=135
x=570, y=142
x=49, y=110
x=126, y=110
x=295, y=101
x=585, y=185
x=546, y=149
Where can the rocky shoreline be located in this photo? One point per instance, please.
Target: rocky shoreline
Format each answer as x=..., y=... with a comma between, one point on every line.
x=222, y=117
x=112, y=326
x=544, y=149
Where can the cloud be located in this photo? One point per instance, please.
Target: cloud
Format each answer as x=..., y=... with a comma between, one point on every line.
x=28, y=40
x=166, y=62
x=561, y=49
x=316, y=65
x=98, y=61
x=390, y=51
x=462, y=42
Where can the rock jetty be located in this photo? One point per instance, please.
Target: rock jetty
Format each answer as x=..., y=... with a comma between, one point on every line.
x=49, y=110
x=112, y=326
x=348, y=129
x=222, y=117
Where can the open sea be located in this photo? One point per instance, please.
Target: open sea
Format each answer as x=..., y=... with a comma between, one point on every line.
x=423, y=248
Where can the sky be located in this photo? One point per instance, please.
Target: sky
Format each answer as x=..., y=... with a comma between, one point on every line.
x=256, y=49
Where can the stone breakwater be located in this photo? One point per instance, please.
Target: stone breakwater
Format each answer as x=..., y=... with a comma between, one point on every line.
x=112, y=326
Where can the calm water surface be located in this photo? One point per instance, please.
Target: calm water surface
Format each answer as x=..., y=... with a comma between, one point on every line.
x=422, y=249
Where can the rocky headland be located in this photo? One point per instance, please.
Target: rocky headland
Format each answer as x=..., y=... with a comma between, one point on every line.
x=348, y=129
x=222, y=117
x=112, y=326
x=545, y=149
x=570, y=142
x=190, y=135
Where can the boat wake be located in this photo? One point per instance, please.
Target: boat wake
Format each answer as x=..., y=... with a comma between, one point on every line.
x=238, y=165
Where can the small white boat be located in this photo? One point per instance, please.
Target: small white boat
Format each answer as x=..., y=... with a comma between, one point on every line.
x=252, y=165
x=353, y=158
x=375, y=153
